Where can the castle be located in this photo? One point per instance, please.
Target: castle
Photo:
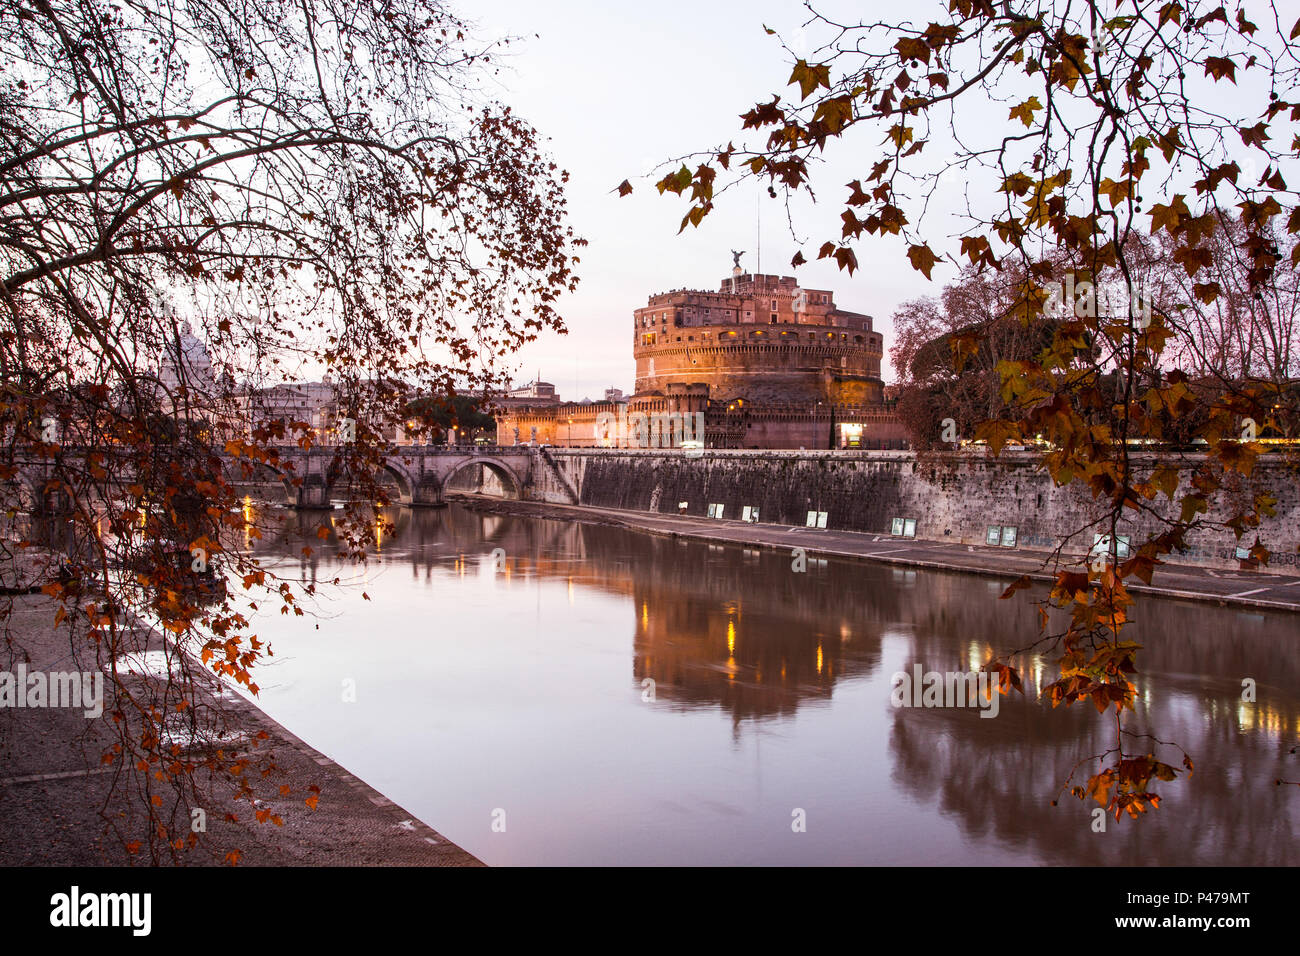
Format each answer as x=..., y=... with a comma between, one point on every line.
x=767, y=364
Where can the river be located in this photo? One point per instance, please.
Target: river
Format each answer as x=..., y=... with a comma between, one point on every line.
x=551, y=692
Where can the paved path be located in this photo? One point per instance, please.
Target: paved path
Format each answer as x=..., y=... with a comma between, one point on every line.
x=1256, y=589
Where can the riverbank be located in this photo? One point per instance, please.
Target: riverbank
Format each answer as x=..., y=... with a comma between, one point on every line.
x=56, y=798
x=1247, y=589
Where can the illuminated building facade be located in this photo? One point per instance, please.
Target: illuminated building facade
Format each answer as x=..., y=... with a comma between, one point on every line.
x=768, y=363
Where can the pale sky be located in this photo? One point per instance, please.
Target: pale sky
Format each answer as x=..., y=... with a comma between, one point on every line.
x=618, y=87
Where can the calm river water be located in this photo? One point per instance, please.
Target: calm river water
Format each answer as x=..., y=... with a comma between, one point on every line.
x=509, y=687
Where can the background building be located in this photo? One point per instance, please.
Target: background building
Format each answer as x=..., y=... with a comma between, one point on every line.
x=760, y=338
x=769, y=364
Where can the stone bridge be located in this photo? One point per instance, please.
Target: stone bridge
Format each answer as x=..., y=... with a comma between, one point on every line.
x=420, y=471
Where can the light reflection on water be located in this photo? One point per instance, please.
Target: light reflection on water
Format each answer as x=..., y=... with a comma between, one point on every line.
x=526, y=689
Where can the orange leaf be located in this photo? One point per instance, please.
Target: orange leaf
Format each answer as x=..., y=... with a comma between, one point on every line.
x=923, y=259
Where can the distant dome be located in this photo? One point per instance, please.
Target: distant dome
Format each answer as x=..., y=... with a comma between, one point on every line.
x=190, y=355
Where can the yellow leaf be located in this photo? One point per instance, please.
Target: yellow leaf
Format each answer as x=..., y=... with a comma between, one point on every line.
x=810, y=77
x=1025, y=111
x=997, y=433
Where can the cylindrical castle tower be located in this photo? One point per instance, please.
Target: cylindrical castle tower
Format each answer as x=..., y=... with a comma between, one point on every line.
x=759, y=338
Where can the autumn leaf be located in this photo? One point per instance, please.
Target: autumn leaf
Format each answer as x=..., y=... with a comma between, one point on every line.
x=1206, y=292
x=1025, y=111
x=1219, y=67
x=675, y=182
x=1116, y=192
x=1256, y=135
x=810, y=77
x=901, y=135
x=913, y=48
x=923, y=259
x=1167, y=217
x=1018, y=584
x=997, y=434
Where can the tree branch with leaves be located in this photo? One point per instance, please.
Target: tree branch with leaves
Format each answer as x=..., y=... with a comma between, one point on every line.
x=1082, y=135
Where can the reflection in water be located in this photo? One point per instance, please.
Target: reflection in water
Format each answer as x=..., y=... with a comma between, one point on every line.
x=512, y=655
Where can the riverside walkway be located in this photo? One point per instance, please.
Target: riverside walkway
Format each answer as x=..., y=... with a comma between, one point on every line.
x=53, y=787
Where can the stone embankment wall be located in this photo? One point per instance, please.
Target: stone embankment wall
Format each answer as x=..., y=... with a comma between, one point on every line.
x=951, y=497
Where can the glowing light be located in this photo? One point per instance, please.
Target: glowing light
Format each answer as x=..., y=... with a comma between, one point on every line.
x=819, y=658
x=645, y=615
x=731, y=637
x=1245, y=716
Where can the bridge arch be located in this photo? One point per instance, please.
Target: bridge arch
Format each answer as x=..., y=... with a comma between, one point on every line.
x=510, y=480
x=406, y=482
x=316, y=487
x=241, y=470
